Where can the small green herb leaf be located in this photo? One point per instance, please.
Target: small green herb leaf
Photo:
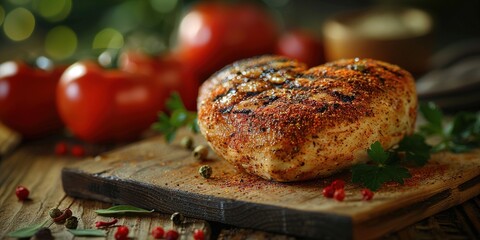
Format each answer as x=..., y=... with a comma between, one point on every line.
x=434, y=117
x=27, y=231
x=179, y=117
x=415, y=148
x=377, y=153
x=87, y=232
x=372, y=177
x=119, y=209
x=174, y=102
x=460, y=135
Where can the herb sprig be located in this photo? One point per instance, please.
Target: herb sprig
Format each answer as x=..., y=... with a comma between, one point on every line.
x=179, y=117
x=385, y=165
x=459, y=135
x=122, y=209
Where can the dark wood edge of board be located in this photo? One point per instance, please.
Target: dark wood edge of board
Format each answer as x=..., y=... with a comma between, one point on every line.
x=319, y=225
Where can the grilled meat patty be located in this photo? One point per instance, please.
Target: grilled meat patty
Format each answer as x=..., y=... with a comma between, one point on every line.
x=277, y=119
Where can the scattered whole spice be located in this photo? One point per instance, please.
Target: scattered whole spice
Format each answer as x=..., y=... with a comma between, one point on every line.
x=102, y=224
x=339, y=194
x=158, y=233
x=54, y=212
x=187, y=142
x=66, y=214
x=72, y=223
x=328, y=191
x=22, y=193
x=200, y=152
x=367, y=194
x=177, y=218
x=198, y=234
x=61, y=148
x=171, y=235
x=205, y=171
x=43, y=234
x=121, y=233
x=78, y=151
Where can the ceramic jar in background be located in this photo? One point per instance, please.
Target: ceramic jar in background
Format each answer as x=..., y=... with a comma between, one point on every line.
x=402, y=36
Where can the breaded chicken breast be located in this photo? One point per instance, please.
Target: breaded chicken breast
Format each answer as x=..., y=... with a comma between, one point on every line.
x=274, y=118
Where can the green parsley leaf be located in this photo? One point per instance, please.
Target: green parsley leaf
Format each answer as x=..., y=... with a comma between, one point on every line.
x=372, y=176
x=461, y=135
x=382, y=168
x=377, y=153
x=180, y=117
x=434, y=116
x=121, y=209
x=415, y=148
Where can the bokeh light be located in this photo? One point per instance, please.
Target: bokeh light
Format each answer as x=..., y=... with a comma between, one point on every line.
x=108, y=38
x=19, y=24
x=163, y=6
x=2, y=14
x=53, y=10
x=60, y=42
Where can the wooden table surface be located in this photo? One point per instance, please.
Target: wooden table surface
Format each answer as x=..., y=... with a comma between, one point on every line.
x=34, y=165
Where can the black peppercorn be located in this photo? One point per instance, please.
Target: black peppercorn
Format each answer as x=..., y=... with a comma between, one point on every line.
x=177, y=218
x=187, y=142
x=54, y=212
x=205, y=171
x=200, y=152
x=72, y=223
x=43, y=234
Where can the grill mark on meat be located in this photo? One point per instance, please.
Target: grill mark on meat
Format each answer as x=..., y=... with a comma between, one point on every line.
x=250, y=94
x=269, y=100
x=230, y=91
x=343, y=97
x=226, y=109
x=242, y=111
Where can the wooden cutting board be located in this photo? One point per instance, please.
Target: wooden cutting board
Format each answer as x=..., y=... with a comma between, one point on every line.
x=154, y=175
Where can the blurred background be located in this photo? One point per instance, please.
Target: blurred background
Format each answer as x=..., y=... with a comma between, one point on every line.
x=174, y=45
x=66, y=30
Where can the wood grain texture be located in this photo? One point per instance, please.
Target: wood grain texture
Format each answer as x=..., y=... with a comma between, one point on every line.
x=34, y=166
x=152, y=174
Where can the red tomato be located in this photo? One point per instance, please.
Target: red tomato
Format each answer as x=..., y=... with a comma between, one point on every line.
x=168, y=72
x=27, y=99
x=301, y=46
x=100, y=105
x=214, y=34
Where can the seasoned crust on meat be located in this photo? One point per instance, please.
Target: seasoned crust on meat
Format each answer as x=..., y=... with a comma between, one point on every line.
x=277, y=119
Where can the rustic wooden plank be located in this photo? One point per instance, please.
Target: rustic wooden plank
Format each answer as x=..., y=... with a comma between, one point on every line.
x=153, y=174
x=34, y=166
x=9, y=140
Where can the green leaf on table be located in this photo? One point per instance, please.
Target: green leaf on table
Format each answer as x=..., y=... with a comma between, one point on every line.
x=120, y=209
x=26, y=232
x=87, y=232
x=416, y=149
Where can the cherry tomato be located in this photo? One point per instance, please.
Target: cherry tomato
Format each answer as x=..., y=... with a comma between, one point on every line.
x=167, y=71
x=27, y=98
x=301, y=46
x=100, y=105
x=214, y=34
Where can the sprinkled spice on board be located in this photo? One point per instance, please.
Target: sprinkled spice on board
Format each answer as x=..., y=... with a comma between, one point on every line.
x=421, y=174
